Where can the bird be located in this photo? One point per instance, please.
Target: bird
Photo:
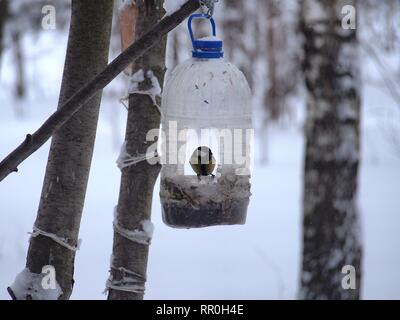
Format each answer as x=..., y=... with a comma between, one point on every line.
x=202, y=161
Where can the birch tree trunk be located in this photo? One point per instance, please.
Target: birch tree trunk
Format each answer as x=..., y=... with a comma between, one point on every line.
x=129, y=260
x=330, y=216
x=71, y=150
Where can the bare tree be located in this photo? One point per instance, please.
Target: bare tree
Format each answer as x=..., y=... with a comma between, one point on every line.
x=3, y=18
x=239, y=24
x=272, y=100
x=130, y=253
x=19, y=17
x=282, y=49
x=330, y=216
x=20, y=86
x=71, y=150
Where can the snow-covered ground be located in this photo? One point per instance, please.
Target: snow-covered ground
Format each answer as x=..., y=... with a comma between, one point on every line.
x=259, y=260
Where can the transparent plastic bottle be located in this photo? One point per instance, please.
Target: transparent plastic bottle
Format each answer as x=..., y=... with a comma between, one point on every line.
x=206, y=102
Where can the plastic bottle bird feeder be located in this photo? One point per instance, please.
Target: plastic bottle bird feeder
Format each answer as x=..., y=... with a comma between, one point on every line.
x=206, y=105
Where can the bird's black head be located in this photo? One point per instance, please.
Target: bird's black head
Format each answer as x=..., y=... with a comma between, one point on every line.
x=205, y=150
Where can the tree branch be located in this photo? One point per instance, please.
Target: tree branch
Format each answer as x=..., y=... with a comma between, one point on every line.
x=11, y=293
x=72, y=105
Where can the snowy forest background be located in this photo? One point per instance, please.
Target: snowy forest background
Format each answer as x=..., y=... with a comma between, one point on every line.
x=262, y=259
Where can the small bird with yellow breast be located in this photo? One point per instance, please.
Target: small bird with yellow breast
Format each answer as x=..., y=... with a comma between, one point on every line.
x=202, y=161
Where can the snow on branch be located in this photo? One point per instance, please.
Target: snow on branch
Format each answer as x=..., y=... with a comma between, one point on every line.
x=142, y=236
x=171, y=6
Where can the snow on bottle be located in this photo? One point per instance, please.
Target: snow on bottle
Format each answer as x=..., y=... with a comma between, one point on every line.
x=207, y=137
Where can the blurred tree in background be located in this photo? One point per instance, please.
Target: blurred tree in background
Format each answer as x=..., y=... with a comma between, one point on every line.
x=3, y=18
x=260, y=35
x=330, y=215
x=282, y=58
x=19, y=18
x=239, y=27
